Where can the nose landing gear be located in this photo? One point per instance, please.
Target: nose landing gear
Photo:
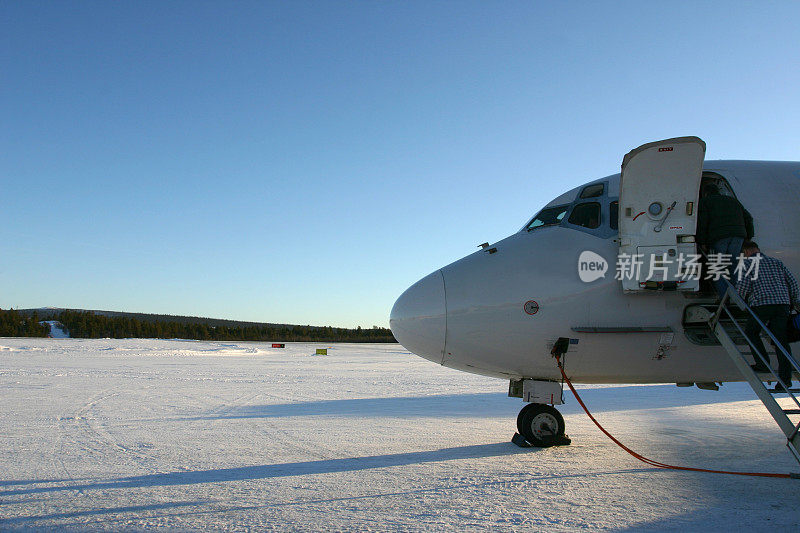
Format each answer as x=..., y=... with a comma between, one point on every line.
x=540, y=426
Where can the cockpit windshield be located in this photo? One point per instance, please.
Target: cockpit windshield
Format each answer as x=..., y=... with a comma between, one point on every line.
x=549, y=216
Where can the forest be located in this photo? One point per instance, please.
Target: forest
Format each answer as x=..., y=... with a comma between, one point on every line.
x=91, y=325
x=15, y=324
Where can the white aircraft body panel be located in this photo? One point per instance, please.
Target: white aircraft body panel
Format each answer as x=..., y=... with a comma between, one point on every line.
x=498, y=311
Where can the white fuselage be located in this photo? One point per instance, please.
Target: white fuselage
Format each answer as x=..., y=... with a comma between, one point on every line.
x=472, y=315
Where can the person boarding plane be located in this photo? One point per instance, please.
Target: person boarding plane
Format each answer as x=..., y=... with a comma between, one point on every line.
x=552, y=286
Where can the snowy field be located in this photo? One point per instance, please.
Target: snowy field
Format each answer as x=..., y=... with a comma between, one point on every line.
x=178, y=435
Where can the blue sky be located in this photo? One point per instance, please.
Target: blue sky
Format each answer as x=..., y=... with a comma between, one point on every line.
x=304, y=162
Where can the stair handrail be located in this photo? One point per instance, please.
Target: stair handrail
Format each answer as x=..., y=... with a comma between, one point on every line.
x=732, y=294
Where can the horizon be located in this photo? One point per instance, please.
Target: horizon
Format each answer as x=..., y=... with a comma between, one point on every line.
x=225, y=319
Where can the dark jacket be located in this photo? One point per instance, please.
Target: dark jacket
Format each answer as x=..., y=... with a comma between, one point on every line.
x=721, y=216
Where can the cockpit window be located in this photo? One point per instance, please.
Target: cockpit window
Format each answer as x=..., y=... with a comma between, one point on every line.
x=613, y=216
x=592, y=191
x=586, y=215
x=549, y=216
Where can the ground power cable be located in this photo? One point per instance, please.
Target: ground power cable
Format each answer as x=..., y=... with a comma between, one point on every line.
x=656, y=463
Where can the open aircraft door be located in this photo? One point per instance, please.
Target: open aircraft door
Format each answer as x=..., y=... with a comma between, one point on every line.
x=659, y=190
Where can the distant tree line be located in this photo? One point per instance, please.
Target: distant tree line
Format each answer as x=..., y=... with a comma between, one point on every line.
x=89, y=325
x=15, y=324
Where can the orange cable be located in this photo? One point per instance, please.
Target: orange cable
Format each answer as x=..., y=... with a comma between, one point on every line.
x=650, y=461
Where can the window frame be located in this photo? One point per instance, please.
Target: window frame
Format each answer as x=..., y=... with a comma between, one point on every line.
x=602, y=193
x=580, y=205
x=565, y=207
x=604, y=230
x=613, y=215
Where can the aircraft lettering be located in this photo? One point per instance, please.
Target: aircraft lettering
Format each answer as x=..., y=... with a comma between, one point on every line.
x=592, y=265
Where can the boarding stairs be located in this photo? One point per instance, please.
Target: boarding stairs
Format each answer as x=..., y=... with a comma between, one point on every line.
x=727, y=324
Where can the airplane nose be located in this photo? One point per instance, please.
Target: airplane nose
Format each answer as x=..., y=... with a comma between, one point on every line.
x=418, y=319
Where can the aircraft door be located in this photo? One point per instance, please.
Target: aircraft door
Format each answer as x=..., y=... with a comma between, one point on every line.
x=659, y=190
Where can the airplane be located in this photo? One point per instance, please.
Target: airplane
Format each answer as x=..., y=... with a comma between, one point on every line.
x=501, y=310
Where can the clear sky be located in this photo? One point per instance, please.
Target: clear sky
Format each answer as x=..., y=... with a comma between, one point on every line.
x=304, y=162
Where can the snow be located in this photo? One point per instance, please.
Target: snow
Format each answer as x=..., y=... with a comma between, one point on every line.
x=182, y=435
x=56, y=329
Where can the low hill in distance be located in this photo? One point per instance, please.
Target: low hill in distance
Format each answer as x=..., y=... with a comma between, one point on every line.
x=92, y=324
x=48, y=313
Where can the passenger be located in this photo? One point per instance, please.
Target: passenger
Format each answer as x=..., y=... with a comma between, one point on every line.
x=770, y=290
x=723, y=224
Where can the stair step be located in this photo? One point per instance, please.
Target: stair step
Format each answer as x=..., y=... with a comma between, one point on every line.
x=740, y=354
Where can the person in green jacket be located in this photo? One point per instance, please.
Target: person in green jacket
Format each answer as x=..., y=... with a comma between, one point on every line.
x=723, y=225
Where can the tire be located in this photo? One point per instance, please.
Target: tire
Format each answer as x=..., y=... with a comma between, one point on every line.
x=528, y=407
x=540, y=424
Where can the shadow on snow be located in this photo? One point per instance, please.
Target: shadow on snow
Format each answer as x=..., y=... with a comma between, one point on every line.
x=299, y=468
x=488, y=404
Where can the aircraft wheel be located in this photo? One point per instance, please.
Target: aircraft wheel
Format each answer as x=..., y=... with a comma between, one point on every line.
x=528, y=407
x=540, y=424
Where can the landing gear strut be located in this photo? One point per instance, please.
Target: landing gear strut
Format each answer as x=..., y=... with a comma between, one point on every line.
x=540, y=424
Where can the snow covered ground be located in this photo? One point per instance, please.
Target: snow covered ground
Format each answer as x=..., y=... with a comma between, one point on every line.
x=152, y=434
x=56, y=329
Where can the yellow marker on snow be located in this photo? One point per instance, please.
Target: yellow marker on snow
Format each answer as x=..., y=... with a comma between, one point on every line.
x=322, y=351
